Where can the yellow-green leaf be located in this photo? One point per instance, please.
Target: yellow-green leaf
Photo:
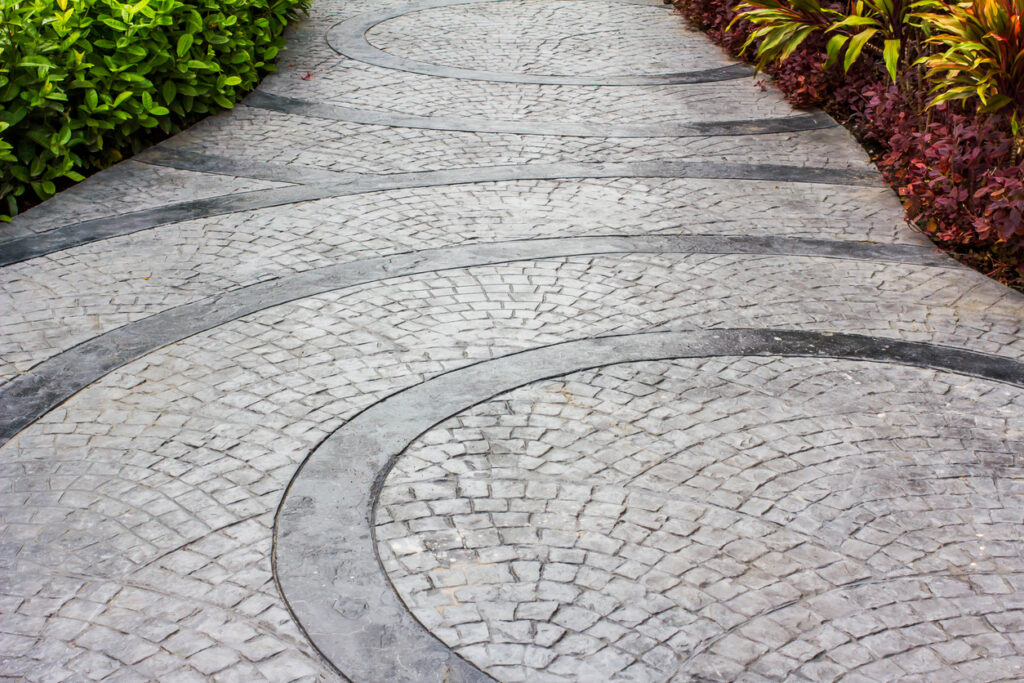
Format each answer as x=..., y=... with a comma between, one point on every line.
x=835, y=45
x=891, y=55
x=857, y=43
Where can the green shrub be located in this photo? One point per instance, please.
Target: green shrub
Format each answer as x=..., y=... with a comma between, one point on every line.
x=84, y=83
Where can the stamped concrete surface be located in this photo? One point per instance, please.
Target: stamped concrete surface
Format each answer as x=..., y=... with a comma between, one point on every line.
x=504, y=340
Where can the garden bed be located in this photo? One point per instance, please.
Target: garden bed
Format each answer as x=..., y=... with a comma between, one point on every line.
x=944, y=139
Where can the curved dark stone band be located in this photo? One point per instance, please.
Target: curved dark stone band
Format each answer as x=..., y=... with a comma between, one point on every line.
x=26, y=398
x=671, y=129
x=325, y=557
x=77, y=234
x=172, y=157
x=348, y=38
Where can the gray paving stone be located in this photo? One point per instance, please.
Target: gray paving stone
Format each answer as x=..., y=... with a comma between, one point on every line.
x=890, y=640
x=739, y=517
x=360, y=36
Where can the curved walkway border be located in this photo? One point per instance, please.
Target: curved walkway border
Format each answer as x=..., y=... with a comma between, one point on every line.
x=29, y=396
x=85, y=232
x=218, y=164
x=324, y=552
x=670, y=129
x=348, y=38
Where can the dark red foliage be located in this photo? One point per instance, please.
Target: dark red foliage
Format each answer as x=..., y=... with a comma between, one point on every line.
x=955, y=170
x=803, y=77
x=712, y=17
x=1000, y=200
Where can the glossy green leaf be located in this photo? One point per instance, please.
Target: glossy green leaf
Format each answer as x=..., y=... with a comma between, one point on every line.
x=184, y=44
x=169, y=91
x=36, y=61
x=833, y=48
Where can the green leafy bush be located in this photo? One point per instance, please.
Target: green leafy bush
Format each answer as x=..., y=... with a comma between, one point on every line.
x=83, y=83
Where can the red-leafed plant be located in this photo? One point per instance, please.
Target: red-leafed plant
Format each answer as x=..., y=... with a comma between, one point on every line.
x=956, y=174
x=955, y=162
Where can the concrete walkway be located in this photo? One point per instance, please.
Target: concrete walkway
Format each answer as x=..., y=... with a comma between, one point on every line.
x=524, y=339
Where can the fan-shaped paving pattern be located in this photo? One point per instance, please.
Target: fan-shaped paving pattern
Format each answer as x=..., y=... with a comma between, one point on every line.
x=566, y=37
x=138, y=516
x=152, y=467
x=91, y=289
x=157, y=469
x=719, y=519
x=165, y=476
x=635, y=291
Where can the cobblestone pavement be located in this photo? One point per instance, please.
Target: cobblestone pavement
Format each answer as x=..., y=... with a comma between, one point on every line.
x=524, y=340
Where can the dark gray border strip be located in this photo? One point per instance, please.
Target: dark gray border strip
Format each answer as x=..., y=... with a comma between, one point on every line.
x=672, y=129
x=77, y=234
x=324, y=556
x=348, y=38
x=166, y=155
x=29, y=396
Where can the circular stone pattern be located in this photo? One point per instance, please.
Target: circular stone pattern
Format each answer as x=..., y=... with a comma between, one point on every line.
x=725, y=518
x=549, y=37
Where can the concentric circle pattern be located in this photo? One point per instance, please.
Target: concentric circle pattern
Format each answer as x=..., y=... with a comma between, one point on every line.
x=536, y=36
x=564, y=37
x=719, y=519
